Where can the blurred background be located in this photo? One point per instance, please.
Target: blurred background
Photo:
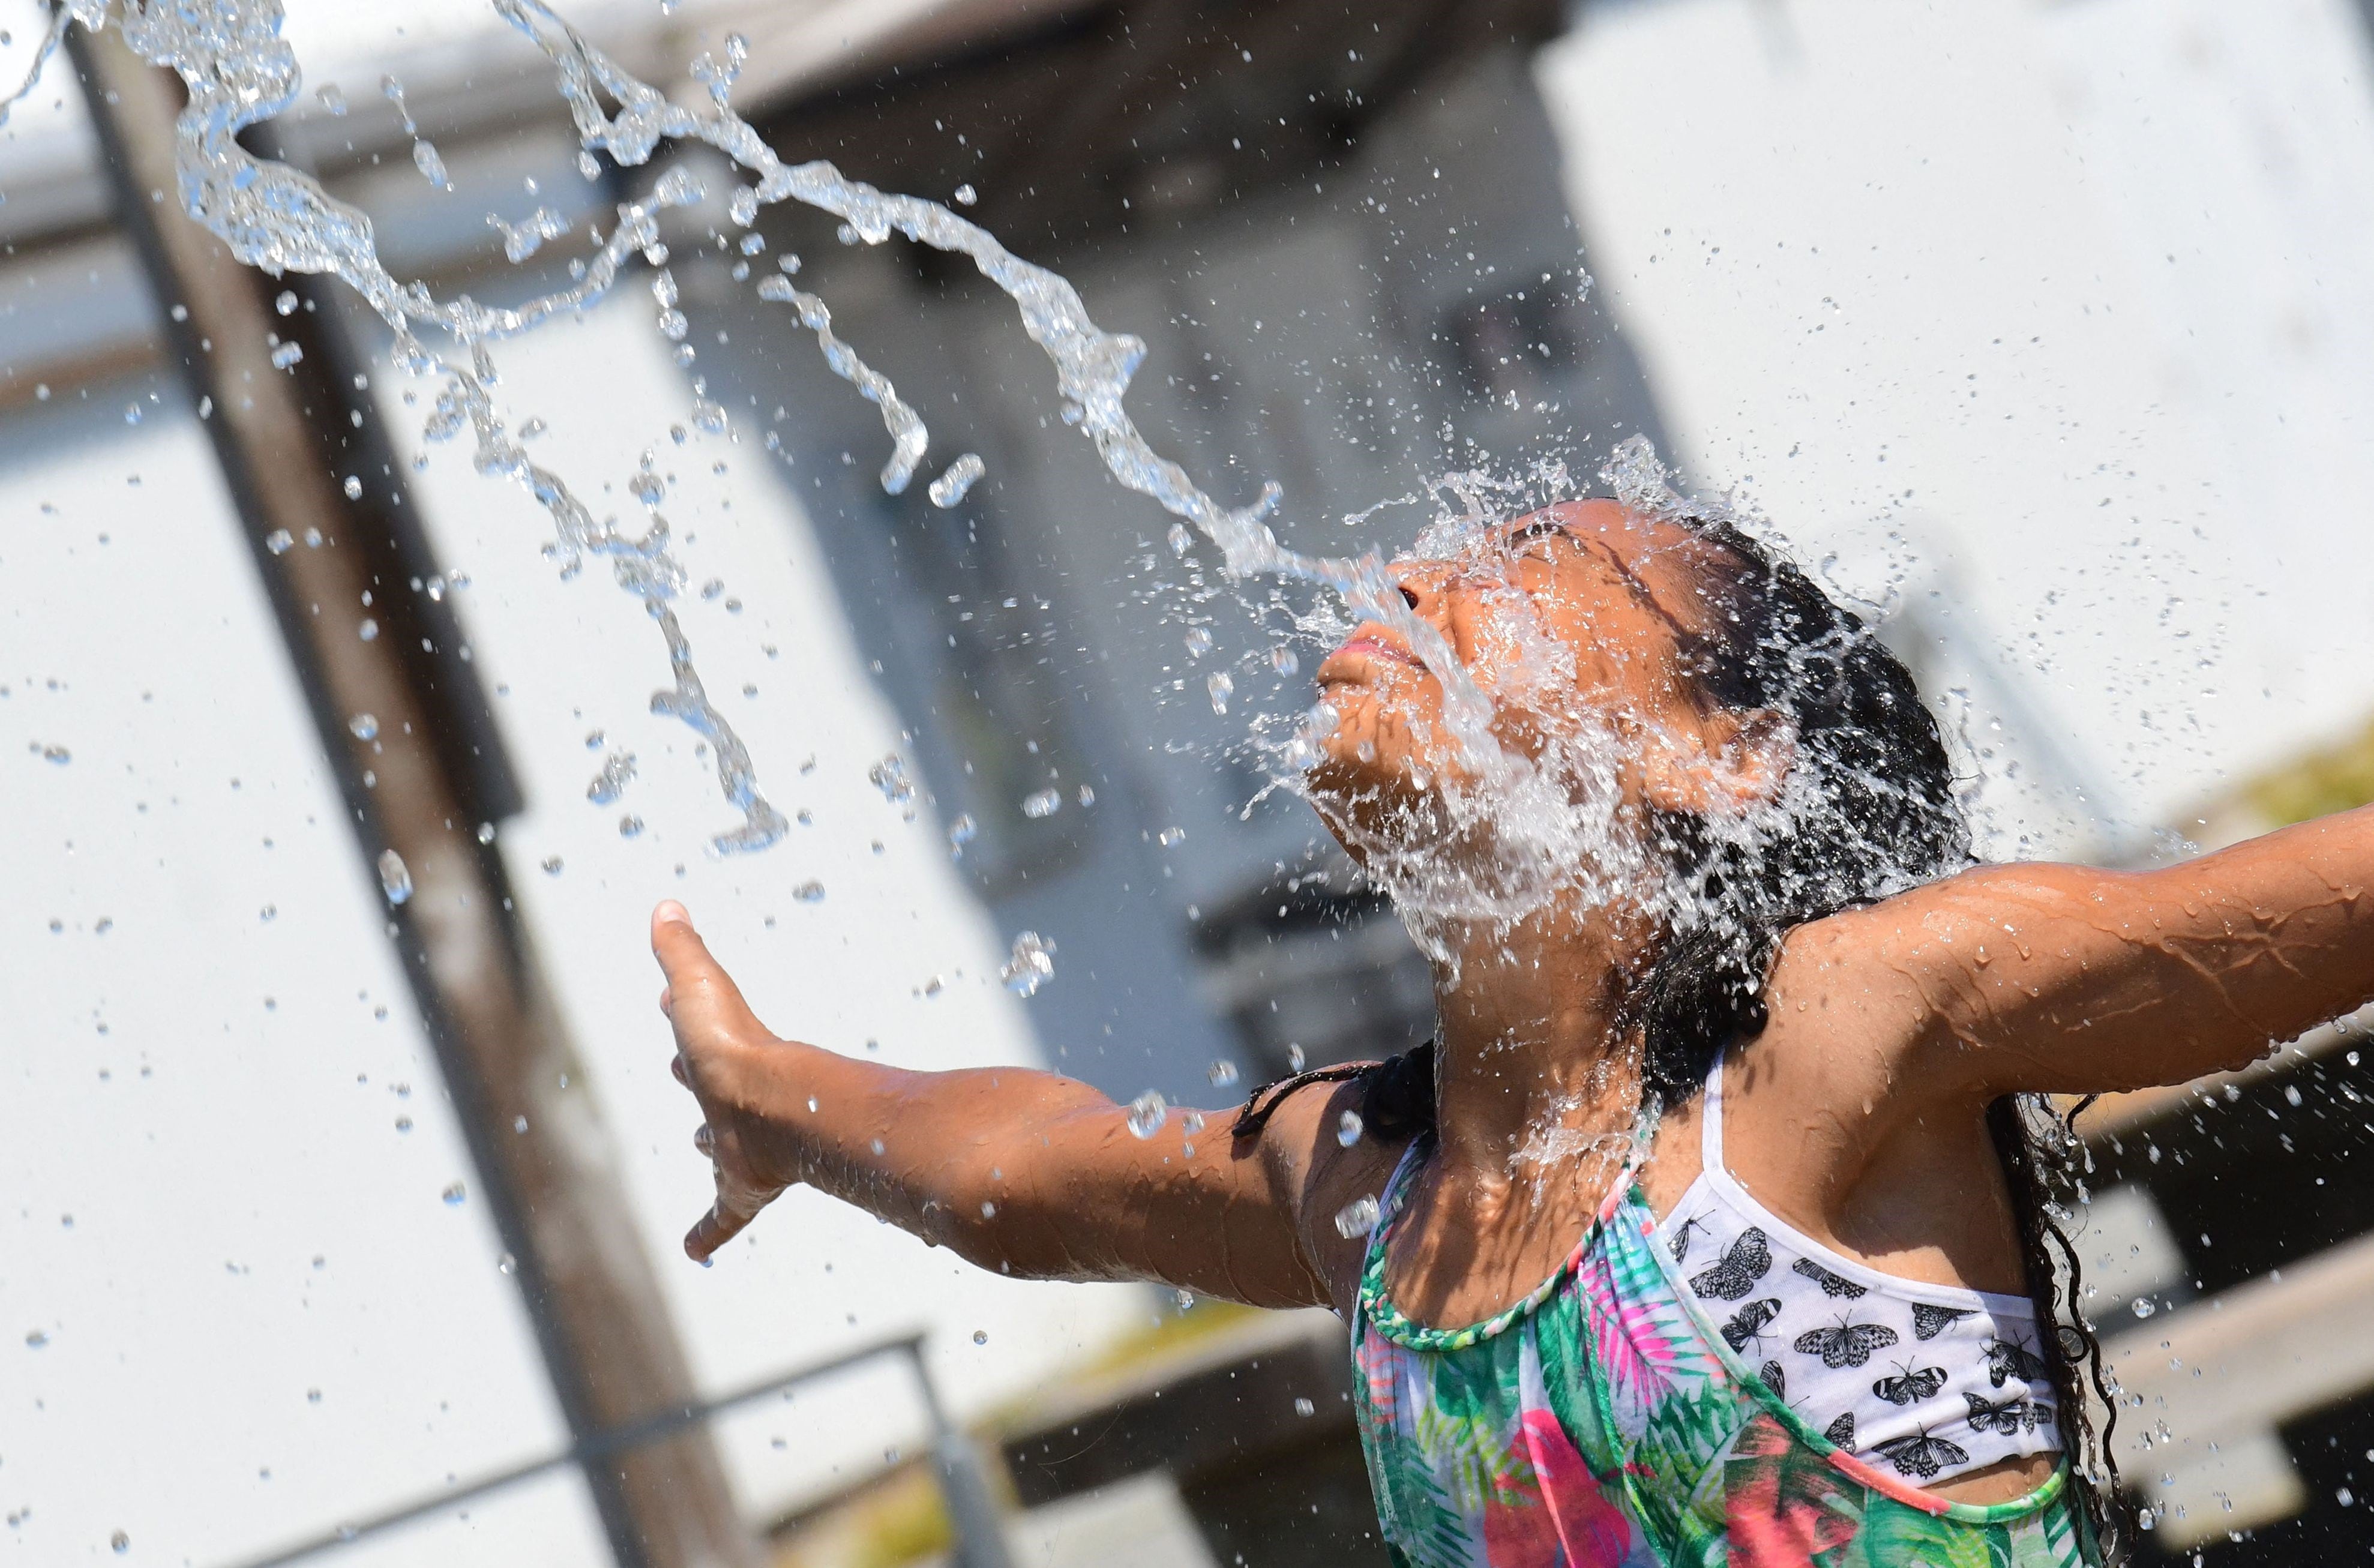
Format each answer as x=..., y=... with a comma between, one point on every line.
x=340, y=1219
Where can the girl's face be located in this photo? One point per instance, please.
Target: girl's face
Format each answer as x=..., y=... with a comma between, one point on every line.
x=1575, y=620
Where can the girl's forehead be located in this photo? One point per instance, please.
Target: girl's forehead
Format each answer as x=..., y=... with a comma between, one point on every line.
x=1663, y=567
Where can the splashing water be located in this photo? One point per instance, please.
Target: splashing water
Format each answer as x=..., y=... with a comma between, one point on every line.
x=238, y=71
x=1357, y=1217
x=1029, y=966
x=1147, y=1112
x=1552, y=821
x=395, y=877
x=958, y=477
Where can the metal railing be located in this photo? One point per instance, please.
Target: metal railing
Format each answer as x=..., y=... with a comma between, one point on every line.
x=973, y=1513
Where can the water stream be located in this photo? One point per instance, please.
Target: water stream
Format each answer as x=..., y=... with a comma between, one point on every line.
x=239, y=71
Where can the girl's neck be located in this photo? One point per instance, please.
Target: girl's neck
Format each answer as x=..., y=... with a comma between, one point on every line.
x=1534, y=1063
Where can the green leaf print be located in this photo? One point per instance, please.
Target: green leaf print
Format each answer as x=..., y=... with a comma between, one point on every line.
x=1897, y=1537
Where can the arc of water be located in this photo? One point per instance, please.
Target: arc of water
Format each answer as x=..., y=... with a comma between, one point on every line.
x=1093, y=367
x=238, y=71
x=230, y=55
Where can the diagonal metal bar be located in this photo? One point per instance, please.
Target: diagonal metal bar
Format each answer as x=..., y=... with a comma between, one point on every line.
x=591, y=1452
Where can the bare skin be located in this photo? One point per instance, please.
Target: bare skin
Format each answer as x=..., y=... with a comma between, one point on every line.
x=1857, y=1116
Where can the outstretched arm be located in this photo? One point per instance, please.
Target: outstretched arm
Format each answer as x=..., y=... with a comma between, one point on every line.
x=1021, y=1172
x=2066, y=979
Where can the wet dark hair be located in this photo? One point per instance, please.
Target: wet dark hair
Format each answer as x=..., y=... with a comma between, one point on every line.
x=1890, y=819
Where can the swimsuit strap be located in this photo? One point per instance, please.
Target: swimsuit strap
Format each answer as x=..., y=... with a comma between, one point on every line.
x=1376, y=1305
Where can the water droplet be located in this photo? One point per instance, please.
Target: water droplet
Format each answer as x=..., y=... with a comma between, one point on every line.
x=279, y=542
x=367, y=630
x=486, y=833
x=1190, y=1122
x=1357, y=1217
x=1282, y=659
x=1303, y=1407
x=363, y=727
x=395, y=877
x=312, y=1396
x=647, y=487
x=1222, y=1072
x=1042, y=803
x=122, y=1543
x=1030, y=965
x=980, y=1335
x=330, y=98
x=403, y=1124
x=353, y=487
x=1347, y=1129
x=1147, y=1112
x=453, y=1196
x=1182, y=538
x=286, y=303
x=1219, y=686
x=962, y=831
x=286, y=355
x=2144, y=1306
x=268, y=914
x=36, y=1339
x=432, y=167
x=552, y=866
x=1294, y=1056
x=132, y=413
x=57, y=755
x=965, y=196
x=1170, y=836
x=889, y=776
x=630, y=827
x=809, y=891
x=957, y=479
x=608, y=785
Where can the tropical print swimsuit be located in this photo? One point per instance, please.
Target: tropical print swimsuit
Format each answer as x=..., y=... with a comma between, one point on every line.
x=1601, y=1422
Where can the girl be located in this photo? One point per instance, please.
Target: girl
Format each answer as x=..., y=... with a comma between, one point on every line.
x=1710, y=1228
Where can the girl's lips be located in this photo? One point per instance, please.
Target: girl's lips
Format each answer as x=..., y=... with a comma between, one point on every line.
x=1376, y=648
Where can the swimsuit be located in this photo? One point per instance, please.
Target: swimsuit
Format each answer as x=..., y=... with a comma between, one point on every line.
x=1603, y=1422
x=1927, y=1381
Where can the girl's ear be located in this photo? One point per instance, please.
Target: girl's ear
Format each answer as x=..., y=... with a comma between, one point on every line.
x=1737, y=760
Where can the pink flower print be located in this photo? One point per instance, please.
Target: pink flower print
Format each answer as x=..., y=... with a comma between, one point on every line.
x=1560, y=1518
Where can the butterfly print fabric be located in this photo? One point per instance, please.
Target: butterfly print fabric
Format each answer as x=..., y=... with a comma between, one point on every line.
x=1922, y=1380
x=1912, y=1386
x=1750, y=1321
x=1924, y=1456
x=1745, y=1262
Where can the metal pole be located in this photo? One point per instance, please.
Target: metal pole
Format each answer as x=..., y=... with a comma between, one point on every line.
x=602, y=1445
x=973, y=1513
x=354, y=622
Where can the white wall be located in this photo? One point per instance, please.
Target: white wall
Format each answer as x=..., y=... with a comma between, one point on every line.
x=2072, y=296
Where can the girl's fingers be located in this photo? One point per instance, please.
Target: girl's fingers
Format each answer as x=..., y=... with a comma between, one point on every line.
x=709, y=1232
x=712, y=1231
x=700, y=995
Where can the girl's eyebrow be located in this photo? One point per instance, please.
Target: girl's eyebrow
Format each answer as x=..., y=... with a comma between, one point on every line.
x=1634, y=584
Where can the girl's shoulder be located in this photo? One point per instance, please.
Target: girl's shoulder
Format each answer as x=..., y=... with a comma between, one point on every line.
x=1332, y=1167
